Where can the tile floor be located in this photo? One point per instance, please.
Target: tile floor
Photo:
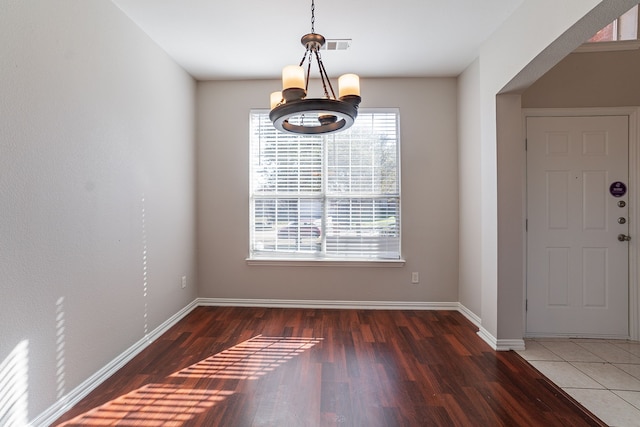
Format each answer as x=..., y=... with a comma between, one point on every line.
x=603, y=375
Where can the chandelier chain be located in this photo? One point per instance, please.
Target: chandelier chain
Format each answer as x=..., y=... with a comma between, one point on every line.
x=313, y=16
x=324, y=76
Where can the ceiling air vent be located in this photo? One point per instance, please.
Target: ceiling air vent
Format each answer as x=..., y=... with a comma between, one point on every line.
x=337, y=44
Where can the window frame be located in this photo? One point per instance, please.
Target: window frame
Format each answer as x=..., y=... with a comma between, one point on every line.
x=614, y=45
x=311, y=259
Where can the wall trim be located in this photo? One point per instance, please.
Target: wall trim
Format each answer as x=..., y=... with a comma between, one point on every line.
x=500, y=345
x=65, y=403
x=331, y=304
x=470, y=315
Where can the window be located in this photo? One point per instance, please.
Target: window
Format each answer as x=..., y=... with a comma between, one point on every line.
x=334, y=197
x=621, y=34
x=623, y=28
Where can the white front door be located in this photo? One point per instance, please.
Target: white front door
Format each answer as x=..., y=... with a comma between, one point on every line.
x=577, y=207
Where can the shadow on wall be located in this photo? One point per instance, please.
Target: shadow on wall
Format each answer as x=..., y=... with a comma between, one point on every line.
x=145, y=274
x=14, y=386
x=14, y=369
x=60, y=343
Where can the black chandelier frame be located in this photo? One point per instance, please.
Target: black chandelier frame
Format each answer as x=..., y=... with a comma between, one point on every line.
x=333, y=114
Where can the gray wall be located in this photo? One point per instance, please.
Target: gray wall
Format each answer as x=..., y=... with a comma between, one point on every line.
x=429, y=199
x=97, y=194
x=514, y=57
x=593, y=79
x=470, y=201
x=97, y=183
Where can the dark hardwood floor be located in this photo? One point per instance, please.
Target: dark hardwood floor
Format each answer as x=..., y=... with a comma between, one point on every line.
x=226, y=366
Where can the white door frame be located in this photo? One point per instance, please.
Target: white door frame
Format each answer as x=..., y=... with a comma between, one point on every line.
x=634, y=205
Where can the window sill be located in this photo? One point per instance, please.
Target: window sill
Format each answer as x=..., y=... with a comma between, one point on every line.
x=302, y=262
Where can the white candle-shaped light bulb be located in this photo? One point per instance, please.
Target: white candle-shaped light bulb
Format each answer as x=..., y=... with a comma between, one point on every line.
x=348, y=84
x=293, y=77
x=276, y=98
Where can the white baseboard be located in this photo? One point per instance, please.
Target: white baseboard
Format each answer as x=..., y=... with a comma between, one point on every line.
x=364, y=305
x=77, y=394
x=500, y=345
x=470, y=315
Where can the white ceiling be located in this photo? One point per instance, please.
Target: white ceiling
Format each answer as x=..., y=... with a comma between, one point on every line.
x=254, y=39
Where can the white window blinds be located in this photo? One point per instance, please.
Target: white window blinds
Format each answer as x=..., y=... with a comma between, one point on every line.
x=326, y=197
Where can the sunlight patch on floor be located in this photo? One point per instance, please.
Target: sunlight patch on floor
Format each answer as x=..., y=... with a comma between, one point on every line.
x=179, y=399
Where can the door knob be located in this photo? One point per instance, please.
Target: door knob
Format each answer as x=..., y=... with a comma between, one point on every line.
x=623, y=237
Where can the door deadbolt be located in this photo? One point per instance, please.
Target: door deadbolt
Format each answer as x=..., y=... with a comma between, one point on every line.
x=623, y=237
x=622, y=204
x=622, y=220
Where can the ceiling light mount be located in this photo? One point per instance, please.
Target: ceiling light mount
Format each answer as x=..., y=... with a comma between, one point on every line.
x=293, y=112
x=313, y=41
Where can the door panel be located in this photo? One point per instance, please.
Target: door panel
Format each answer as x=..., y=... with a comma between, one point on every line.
x=577, y=270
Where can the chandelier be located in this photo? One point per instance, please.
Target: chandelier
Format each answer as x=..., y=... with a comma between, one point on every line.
x=293, y=112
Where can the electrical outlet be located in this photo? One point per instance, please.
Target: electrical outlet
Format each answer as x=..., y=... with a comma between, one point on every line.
x=415, y=277
x=184, y=282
